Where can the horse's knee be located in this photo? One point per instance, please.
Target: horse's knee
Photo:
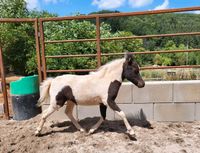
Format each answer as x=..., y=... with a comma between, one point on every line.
x=49, y=111
x=113, y=105
x=67, y=112
x=122, y=114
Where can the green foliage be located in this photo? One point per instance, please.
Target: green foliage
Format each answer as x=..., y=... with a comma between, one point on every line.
x=171, y=58
x=13, y=9
x=81, y=30
x=14, y=37
x=164, y=23
x=113, y=22
x=18, y=42
x=17, y=39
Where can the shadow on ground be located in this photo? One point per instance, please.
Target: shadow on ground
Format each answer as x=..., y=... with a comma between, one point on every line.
x=118, y=126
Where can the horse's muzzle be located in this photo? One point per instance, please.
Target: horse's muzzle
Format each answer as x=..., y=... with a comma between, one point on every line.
x=141, y=84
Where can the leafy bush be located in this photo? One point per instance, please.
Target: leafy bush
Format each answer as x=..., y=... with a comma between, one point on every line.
x=81, y=30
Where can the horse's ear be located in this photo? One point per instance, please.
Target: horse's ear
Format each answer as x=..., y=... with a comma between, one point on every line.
x=129, y=57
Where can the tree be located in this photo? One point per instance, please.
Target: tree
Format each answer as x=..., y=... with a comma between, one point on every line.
x=114, y=22
x=81, y=30
x=13, y=36
x=17, y=39
x=171, y=59
x=13, y=9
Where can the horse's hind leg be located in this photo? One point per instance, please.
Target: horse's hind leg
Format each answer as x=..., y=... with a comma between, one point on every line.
x=103, y=109
x=69, y=113
x=45, y=114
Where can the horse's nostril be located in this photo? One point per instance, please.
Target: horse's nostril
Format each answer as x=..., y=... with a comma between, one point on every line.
x=141, y=84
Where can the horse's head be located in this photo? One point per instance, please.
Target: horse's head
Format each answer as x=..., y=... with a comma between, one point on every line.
x=131, y=71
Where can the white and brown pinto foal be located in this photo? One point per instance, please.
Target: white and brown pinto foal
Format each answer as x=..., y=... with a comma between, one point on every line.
x=97, y=88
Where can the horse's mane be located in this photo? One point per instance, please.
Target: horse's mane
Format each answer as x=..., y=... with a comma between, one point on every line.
x=110, y=66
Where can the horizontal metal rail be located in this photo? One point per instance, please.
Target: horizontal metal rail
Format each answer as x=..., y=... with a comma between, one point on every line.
x=149, y=12
x=76, y=70
x=117, y=54
x=169, y=67
x=13, y=20
x=128, y=37
x=69, y=40
x=141, y=68
x=108, y=15
x=70, y=56
x=154, y=52
x=152, y=36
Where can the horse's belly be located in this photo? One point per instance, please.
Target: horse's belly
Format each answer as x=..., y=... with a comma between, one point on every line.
x=90, y=101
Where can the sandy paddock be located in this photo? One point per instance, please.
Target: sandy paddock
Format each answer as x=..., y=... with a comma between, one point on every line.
x=62, y=137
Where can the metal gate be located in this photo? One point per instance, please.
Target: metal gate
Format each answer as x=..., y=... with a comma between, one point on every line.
x=98, y=39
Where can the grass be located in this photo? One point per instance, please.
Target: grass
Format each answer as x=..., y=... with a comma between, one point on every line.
x=171, y=74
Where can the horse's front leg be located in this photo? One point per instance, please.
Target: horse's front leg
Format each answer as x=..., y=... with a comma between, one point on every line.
x=112, y=94
x=114, y=106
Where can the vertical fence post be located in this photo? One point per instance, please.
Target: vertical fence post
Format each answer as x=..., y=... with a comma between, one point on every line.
x=38, y=49
x=5, y=96
x=43, y=50
x=98, y=35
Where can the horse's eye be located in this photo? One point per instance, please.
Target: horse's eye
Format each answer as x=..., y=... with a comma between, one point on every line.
x=136, y=71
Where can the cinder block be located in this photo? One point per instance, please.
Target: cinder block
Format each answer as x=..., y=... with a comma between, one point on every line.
x=153, y=92
x=93, y=111
x=187, y=91
x=1, y=109
x=125, y=93
x=174, y=112
x=134, y=109
x=60, y=114
x=197, y=112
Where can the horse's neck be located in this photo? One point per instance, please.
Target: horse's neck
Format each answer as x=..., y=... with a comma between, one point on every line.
x=111, y=72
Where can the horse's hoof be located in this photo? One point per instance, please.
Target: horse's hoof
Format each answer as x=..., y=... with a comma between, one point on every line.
x=82, y=130
x=37, y=133
x=131, y=132
x=91, y=131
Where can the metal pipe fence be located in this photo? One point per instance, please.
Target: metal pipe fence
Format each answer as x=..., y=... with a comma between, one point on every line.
x=41, y=41
x=33, y=21
x=98, y=39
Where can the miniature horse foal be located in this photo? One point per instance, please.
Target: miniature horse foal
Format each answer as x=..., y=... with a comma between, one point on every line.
x=97, y=88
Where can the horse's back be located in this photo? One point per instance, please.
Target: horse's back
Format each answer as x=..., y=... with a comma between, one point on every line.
x=84, y=88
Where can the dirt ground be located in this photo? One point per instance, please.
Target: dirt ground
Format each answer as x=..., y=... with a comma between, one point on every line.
x=62, y=137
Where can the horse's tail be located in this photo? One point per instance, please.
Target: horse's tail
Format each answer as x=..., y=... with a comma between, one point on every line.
x=44, y=91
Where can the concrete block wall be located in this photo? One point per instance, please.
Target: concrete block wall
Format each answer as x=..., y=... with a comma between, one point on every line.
x=159, y=100
x=1, y=108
